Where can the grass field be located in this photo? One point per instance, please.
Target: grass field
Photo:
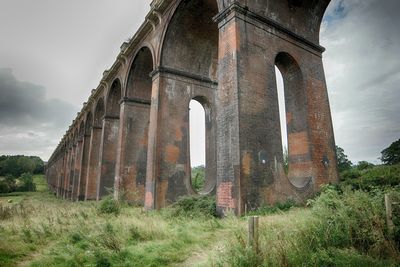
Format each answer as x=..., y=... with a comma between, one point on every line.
x=37, y=229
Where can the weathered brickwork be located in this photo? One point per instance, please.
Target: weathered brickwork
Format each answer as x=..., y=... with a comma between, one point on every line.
x=132, y=135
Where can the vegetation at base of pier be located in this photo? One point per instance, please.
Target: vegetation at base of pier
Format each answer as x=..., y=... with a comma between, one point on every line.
x=343, y=226
x=198, y=177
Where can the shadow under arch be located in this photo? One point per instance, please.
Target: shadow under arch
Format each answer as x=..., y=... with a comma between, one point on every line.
x=190, y=44
x=113, y=98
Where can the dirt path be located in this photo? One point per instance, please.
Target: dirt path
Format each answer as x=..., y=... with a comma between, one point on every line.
x=202, y=257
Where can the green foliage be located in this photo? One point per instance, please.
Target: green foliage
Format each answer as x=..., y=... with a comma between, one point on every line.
x=343, y=228
x=17, y=165
x=24, y=183
x=277, y=207
x=41, y=230
x=27, y=183
x=343, y=162
x=363, y=165
x=391, y=154
x=198, y=177
x=195, y=206
x=383, y=176
x=109, y=206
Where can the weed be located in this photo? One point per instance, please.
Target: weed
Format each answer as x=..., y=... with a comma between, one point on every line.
x=109, y=206
x=278, y=207
x=195, y=206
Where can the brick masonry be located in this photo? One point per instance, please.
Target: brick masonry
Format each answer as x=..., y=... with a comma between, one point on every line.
x=132, y=135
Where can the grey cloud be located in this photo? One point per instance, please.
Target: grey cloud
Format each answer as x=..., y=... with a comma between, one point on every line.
x=24, y=103
x=30, y=123
x=363, y=75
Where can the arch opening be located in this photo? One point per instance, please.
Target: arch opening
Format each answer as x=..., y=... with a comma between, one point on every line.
x=88, y=123
x=139, y=80
x=99, y=114
x=81, y=129
x=191, y=40
x=293, y=113
x=113, y=98
x=282, y=118
x=199, y=135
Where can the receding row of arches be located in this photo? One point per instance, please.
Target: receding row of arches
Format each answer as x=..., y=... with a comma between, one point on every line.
x=160, y=117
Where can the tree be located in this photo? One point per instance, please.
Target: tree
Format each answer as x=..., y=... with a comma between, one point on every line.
x=363, y=165
x=343, y=162
x=17, y=165
x=391, y=154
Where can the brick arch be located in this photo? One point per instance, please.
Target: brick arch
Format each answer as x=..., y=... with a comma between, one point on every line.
x=138, y=83
x=190, y=41
x=113, y=98
x=88, y=122
x=299, y=151
x=99, y=113
x=81, y=131
x=210, y=178
x=75, y=135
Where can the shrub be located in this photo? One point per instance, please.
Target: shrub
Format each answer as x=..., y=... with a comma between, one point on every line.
x=108, y=238
x=109, y=206
x=195, y=206
x=271, y=209
x=4, y=186
x=198, y=177
x=342, y=229
x=368, y=179
x=27, y=184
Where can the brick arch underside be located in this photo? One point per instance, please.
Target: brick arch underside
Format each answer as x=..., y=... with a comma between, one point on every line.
x=189, y=64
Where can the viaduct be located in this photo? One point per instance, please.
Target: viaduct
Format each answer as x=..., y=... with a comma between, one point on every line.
x=132, y=135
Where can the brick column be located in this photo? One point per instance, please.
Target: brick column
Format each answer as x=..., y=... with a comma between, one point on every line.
x=320, y=124
x=72, y=171
x=77, y=167
x=132, y=149
x=107, y=156
x=84, y=161
x=67, y=173
x=94, y=164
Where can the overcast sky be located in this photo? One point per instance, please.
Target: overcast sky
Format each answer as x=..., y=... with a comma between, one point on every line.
x=52, y=53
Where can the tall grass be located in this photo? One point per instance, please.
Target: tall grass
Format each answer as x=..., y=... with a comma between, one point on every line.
x=341, y=229
x=44, y=231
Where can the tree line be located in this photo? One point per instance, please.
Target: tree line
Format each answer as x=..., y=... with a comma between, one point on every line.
x=16, y=172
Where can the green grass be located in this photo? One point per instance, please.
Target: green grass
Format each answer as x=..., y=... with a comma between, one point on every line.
x=367, y=179
x=41, y=183
x=339, y=229
x=44, y=231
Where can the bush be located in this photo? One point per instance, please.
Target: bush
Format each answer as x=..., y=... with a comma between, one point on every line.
x=198, y=177
x=342, y=229
x=195, y=206
x=109, y=206
x=278, y=207
x=4, y=186
x=27, y=184
x=23, y=184
x=377, y=177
